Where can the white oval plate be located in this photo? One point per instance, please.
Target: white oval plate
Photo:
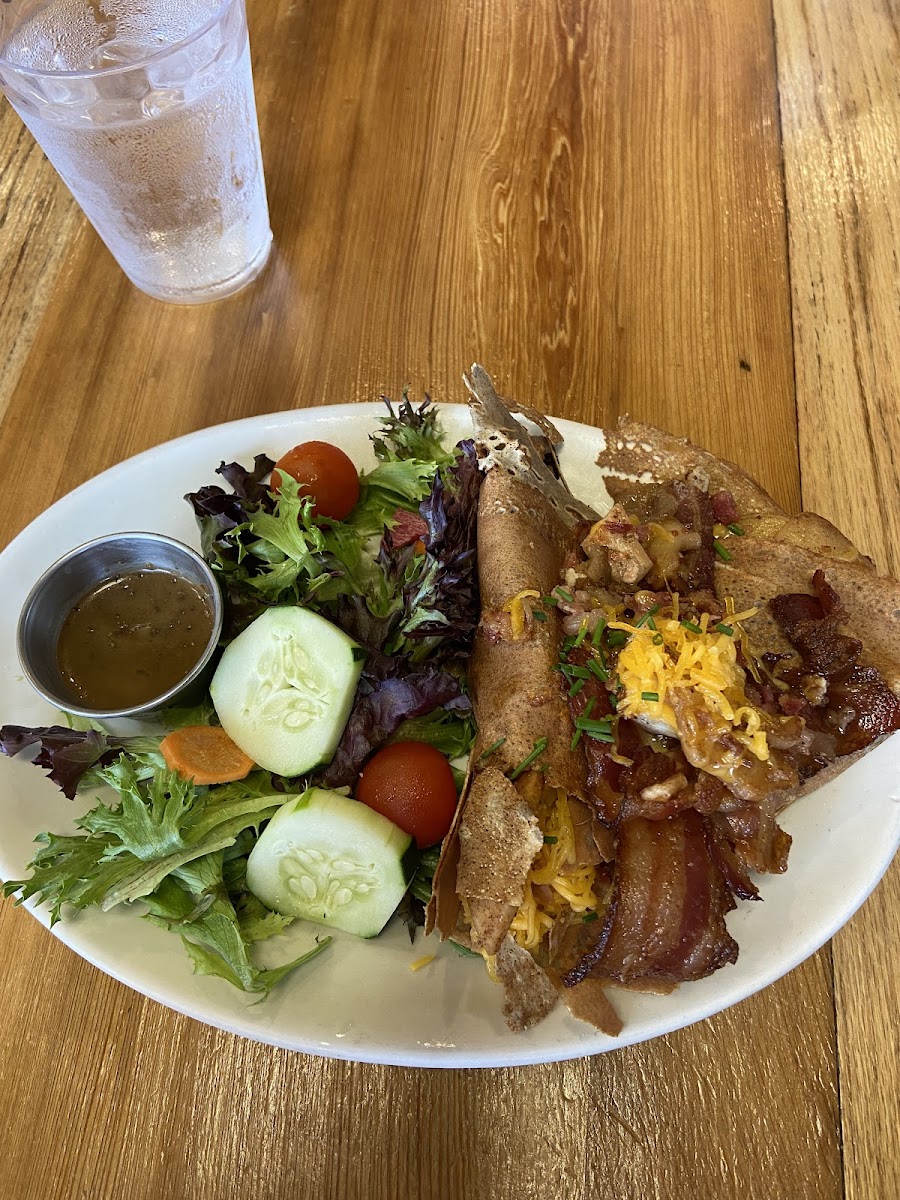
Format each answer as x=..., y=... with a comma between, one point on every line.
x=360, y=1000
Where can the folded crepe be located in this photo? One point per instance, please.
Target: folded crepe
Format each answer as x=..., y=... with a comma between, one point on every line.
x=528, y=523
x=651, y=688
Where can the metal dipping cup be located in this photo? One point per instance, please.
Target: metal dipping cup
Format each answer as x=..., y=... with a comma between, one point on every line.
x=81, y=570
x=146, y=110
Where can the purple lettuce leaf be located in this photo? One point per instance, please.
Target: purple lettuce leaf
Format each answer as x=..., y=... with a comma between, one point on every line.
x=218, y=511
x=248, y=488
x=391, y=691
x=451, y=592
x=249, y=485
x=358, y=621
x=66, y=753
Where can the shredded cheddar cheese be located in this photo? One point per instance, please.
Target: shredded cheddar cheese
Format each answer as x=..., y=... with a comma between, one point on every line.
x=422, y=962
x=621, y=759
x=516, y=610
x=554, y=869
x=654, y=661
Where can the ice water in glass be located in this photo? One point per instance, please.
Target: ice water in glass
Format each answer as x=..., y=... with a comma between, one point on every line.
x=146, y=110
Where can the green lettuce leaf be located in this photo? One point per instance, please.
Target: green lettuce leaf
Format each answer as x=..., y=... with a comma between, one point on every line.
x=411, y=433
x=193, y=901
x=391, y=485
x=257, y=922
x=158, y=826
x=179, y=716
x=451, y=733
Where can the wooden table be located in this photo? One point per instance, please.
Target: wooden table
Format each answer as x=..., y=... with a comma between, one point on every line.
x=684, y=209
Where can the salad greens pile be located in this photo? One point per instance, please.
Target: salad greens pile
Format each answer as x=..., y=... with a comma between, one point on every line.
x=398, y=575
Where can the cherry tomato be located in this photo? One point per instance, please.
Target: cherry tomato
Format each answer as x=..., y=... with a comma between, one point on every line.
x=412, y=785
x=323, y=472
x=407, y=529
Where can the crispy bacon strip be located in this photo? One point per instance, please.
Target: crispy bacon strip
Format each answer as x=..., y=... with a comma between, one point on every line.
x=666, y=920
x=721, y=850
x=860, y=706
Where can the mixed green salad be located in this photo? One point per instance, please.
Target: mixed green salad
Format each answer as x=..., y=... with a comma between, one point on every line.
x=351, y=602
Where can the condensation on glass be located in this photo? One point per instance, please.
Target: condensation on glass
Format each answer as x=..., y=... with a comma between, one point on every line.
x=146, y=110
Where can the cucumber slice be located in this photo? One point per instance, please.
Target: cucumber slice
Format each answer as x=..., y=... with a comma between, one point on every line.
x=284, y=688
x=332, y=860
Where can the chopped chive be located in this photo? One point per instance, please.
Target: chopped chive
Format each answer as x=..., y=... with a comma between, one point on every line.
x=617, y=637
x=563, y=594
x=598, y=631
x=724, y=554
x=582, y=634
x=589, y=916
x=650, y=696
x=692, y=626
x=550, y=840
x=736, y=529
x=588, y=725
x=491, y=749
x=658, y=639
x=549, y=600
x=588, y=708
x=726, y=629
x=574, y=672
x=576, y=687
x=538, y=615
x=575, y=740
x=599, y=736
x=647, y=618
x=536, y=751
x=613, y=702
x=569, y=643
x=595, y=669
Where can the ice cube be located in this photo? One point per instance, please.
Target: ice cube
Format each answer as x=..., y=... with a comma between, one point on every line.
x=119, y=53
x=172, y=69
x=113, y=112
x=161, y=100
x=74, y=92
x=22, y=90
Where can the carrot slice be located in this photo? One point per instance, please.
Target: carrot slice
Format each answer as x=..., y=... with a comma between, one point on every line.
x=206, y=754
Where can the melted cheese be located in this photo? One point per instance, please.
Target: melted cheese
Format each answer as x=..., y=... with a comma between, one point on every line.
x=670, y=656
x=516, y=610
x=570, y=887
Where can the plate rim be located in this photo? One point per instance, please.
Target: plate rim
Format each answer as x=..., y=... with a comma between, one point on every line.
x=508, y=1053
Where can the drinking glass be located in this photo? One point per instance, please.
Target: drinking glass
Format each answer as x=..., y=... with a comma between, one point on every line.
x=146, y=110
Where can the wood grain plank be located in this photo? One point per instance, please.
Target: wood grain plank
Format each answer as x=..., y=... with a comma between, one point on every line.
x=38, y=221
x=617, y=177
x=839, y=73
x=145, y=1103
x=588, y=198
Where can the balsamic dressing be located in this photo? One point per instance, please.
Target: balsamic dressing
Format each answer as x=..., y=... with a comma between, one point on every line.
x=132, y=638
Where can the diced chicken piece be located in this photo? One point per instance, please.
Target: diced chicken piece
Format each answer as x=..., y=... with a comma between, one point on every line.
x=657, y=792
x=628, y=560
x=815, y=689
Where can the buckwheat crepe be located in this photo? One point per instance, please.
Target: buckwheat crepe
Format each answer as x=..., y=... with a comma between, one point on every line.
x=634, y=747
